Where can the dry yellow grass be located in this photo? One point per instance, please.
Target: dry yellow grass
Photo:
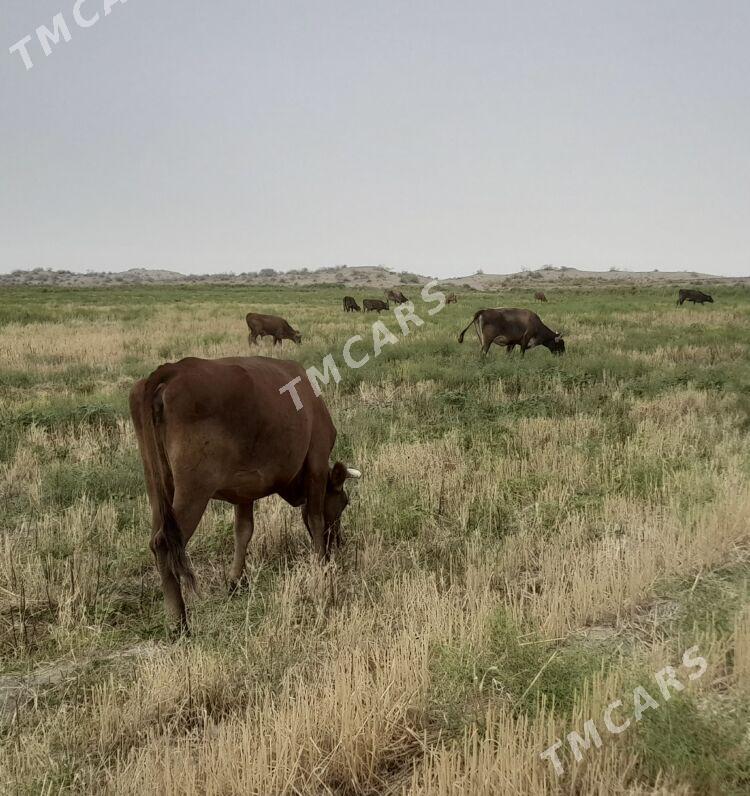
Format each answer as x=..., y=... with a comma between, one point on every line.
x=492, y=539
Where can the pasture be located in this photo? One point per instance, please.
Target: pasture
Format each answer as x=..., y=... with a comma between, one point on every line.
x=531, y=540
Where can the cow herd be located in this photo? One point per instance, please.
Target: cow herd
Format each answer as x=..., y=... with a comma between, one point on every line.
x=378, y=305
x=216, y=429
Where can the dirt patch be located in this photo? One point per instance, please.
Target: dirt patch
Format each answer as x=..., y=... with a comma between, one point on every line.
x=16, y=689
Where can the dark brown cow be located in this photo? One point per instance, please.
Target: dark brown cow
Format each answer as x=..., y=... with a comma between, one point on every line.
x=539, y=296
x=374, y=305
x=511, y=328
x=396, y=296
x=219, y=429
x=696, y=296
x=270, y=326
x=350, y=305
x=451, y=299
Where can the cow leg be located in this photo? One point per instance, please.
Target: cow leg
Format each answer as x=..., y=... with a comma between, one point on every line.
x=316, y=488
x=252, y=339
x=188, y=509
x=486, y=344
x=243, y=533
x=334, y=538
x=524, y=344
x=509, y=348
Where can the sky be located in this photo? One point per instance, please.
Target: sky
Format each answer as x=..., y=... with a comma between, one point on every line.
x=431, y=136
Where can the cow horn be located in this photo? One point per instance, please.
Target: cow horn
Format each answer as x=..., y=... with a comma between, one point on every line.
x=352, y=473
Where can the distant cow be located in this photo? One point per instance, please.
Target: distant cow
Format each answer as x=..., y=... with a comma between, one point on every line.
x=219, y=429
x=375, y=305
x=350, y=305
x=696, y=296
x=451, y=299
x=270, y=326
x=396, y=296
x=511, y=328
x=539, y=296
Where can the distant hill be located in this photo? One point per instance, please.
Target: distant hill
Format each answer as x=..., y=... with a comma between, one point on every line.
x=364, y=276
x=555, y=276
x=374, y=276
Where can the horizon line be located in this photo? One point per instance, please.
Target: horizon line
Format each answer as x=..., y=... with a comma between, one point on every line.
x=301, y=269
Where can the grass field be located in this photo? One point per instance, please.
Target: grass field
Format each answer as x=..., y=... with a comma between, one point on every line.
x=531, y=540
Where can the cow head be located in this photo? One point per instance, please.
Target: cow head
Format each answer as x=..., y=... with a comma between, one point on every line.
x=336, y=500
x=709, y=299
x=556, y=344
x=297, y=337
x=334, y=503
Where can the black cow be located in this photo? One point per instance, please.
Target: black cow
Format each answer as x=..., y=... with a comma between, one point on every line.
x=696, y=296
x=511, y=328
x=374, y=305
x=350, y=305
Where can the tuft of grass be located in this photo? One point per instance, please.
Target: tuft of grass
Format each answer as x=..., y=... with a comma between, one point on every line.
x=701, y=742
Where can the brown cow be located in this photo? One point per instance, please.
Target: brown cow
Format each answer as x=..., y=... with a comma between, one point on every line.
x=512, y=327
x=451, y=299
x=270, y=326
x=219, y=429
x=396, y=296
x=350, y=305
x=375, y=304
x=539, y=296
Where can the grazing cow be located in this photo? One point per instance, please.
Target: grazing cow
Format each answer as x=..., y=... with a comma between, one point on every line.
x=511, y=328
x=696, y=296
x=270, y=326
x=451, y=299
x=374, y=305
x=350, y=305
x=219, y=429
x=396, y=296
x=539, y=296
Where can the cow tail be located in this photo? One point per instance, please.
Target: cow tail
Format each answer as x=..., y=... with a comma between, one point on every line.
x=168, y=535
x=473, y=320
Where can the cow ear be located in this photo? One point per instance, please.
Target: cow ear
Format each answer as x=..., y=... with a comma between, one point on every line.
x=337, y=476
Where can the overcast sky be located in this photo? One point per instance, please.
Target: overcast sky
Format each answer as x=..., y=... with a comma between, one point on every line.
x=433, y=136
